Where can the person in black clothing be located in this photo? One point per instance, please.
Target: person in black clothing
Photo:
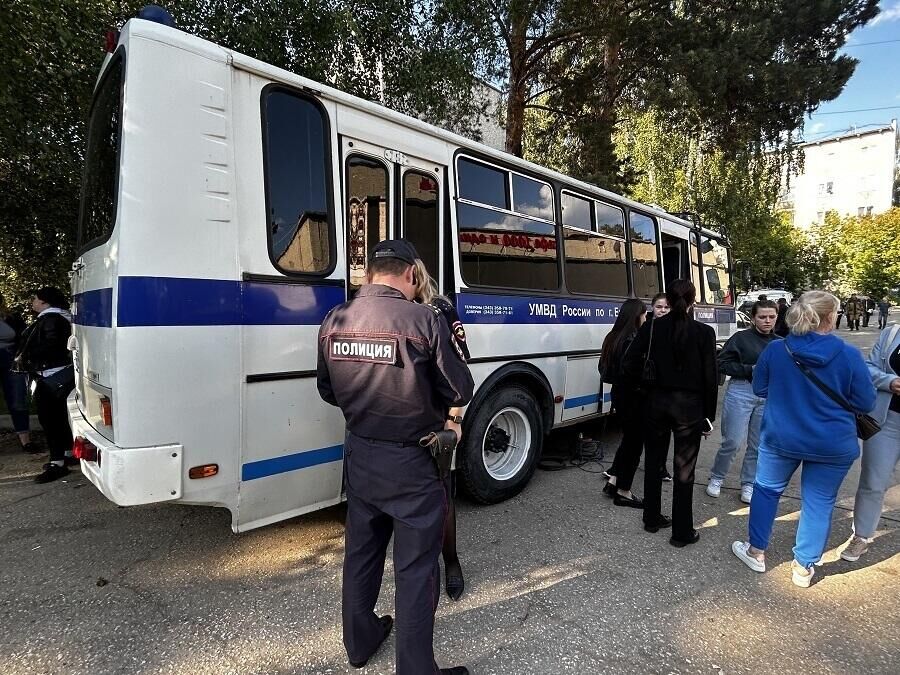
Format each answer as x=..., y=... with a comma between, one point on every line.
x=659, y=306
x=427, y=294
x=676, y=358
x=627, y=402
x=781, y=328
x=45, y=355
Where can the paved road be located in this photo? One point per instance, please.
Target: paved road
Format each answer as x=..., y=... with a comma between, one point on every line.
x=560, y=581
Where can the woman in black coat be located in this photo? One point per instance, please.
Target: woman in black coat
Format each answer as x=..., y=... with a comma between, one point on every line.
x=675, y=357
x=627, y=401
x=44, y=353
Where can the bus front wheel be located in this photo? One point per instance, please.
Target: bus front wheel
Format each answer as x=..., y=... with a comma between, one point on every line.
x=501, y=445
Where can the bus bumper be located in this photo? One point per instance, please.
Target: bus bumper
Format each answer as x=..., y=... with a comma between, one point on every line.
x=129, y=476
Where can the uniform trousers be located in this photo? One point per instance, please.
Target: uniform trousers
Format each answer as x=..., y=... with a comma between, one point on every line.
x=53, y=414
x=392, y=489
x=679, y=412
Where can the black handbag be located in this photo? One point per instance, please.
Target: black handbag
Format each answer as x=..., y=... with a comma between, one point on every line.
x=60, y=383
x=866, y=425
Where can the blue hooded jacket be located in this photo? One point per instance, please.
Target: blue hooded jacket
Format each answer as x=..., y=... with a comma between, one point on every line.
x=800, y=420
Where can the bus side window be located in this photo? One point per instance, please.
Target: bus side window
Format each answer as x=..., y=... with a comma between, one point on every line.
x=595, y=263
x=297, y=166
x=420, y=217
x=644, y=255
x=368, y=218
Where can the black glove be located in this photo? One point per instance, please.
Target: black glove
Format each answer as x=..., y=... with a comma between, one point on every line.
x=441, y=445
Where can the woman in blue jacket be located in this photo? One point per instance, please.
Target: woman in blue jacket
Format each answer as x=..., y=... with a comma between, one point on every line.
x=881, y=453
x=803, y=426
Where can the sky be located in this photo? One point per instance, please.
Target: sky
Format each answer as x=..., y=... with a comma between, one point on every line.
x=874, y=84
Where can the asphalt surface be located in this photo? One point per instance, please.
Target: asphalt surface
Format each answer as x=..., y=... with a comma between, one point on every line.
x=558, y=581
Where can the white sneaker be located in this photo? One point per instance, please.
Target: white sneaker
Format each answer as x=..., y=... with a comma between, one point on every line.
x=742, y=550
x=854, y=548
x=801, y=576
x=714, y=487
x=746, y=493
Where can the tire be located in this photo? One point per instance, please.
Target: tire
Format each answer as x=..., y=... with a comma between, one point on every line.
x=489, y=476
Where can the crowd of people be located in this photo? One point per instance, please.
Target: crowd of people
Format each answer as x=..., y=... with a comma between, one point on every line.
x=794, y=395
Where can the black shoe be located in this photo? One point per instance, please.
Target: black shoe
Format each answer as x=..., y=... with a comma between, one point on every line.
x=681, y=543
x=664, y=476
x=454, y=583
x=633, y=501
x=31, y=448
x=658, y=523
x=387, y=622
x=455, y=670
x=610, y=490
x=51, y=473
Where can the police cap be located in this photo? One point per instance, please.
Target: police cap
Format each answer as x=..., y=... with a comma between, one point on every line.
x=394, y=248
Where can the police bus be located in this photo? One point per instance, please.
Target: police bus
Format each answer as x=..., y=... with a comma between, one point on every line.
x=229, y=204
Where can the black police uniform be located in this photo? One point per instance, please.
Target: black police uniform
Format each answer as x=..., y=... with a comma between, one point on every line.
x=391, y=366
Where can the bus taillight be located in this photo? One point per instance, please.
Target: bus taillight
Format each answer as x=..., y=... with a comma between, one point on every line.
x=82, y=448
x=106, y=410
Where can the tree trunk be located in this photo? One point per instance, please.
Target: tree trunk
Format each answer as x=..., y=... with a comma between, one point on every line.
x=518, y=86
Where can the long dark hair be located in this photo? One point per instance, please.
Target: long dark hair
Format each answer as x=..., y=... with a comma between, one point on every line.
x=627, y=323
x=681, y=294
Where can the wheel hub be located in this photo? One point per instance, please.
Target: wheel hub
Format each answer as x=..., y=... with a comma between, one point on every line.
x=497, y=440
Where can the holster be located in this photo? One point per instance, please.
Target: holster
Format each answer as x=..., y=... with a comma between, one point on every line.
x=441, y=445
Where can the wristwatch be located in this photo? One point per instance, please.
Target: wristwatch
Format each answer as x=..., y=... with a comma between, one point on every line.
x=456, y=419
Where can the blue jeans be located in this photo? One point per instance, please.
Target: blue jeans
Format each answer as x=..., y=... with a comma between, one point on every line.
x=879, y=458
x=15, y=392
x=742, y=413
x=819, y=484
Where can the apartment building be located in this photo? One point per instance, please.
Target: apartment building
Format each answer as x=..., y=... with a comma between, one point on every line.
x=851, y=174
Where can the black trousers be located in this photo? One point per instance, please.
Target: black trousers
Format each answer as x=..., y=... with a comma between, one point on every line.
x=392, y=490
x=628, y=403
x=680, y=413
x=53, y=415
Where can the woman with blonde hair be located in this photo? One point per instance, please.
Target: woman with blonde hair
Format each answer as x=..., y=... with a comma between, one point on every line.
x=804, y=426
x=427, y=294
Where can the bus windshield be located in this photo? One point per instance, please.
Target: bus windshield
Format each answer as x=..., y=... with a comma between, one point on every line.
x=714, y=257
x=101, y=166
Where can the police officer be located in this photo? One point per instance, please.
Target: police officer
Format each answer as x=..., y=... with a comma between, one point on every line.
x=392, y=368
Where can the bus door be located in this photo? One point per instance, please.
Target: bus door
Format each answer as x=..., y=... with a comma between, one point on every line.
x=389, y=194
x=674, y=255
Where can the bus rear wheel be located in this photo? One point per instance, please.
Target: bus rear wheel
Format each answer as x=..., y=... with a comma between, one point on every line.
x=501, y=446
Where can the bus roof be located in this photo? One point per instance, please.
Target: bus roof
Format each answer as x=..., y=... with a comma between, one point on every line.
x=178, y=38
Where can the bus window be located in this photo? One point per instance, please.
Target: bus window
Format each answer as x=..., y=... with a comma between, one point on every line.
x=644, y=256
x=420, y=217
x=595, y=264
x=367, y=213
x=295, y=157
x=716, y=271
x=695, y=266
x=532, y=198
x=483, y=184
x=498, y=247
x=610, y=220
x=101, y=165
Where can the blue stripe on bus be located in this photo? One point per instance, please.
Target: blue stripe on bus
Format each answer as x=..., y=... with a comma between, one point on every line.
x=298, y=460
x=590, y=399
x=169, y=301
x=93, y=308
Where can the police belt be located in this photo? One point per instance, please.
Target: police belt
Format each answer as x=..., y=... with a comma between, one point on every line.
x=384, y=441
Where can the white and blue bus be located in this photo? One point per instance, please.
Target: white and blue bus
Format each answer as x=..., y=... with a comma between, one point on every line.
x=229, y=204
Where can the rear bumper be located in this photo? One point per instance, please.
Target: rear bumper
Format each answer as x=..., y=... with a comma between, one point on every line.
x=129, y=476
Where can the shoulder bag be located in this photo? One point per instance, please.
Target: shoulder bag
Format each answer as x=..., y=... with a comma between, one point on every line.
x=866, y=426
x=648, y=372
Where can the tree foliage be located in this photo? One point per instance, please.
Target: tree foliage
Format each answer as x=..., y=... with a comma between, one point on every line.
x=856, y=254
x=397, y=52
